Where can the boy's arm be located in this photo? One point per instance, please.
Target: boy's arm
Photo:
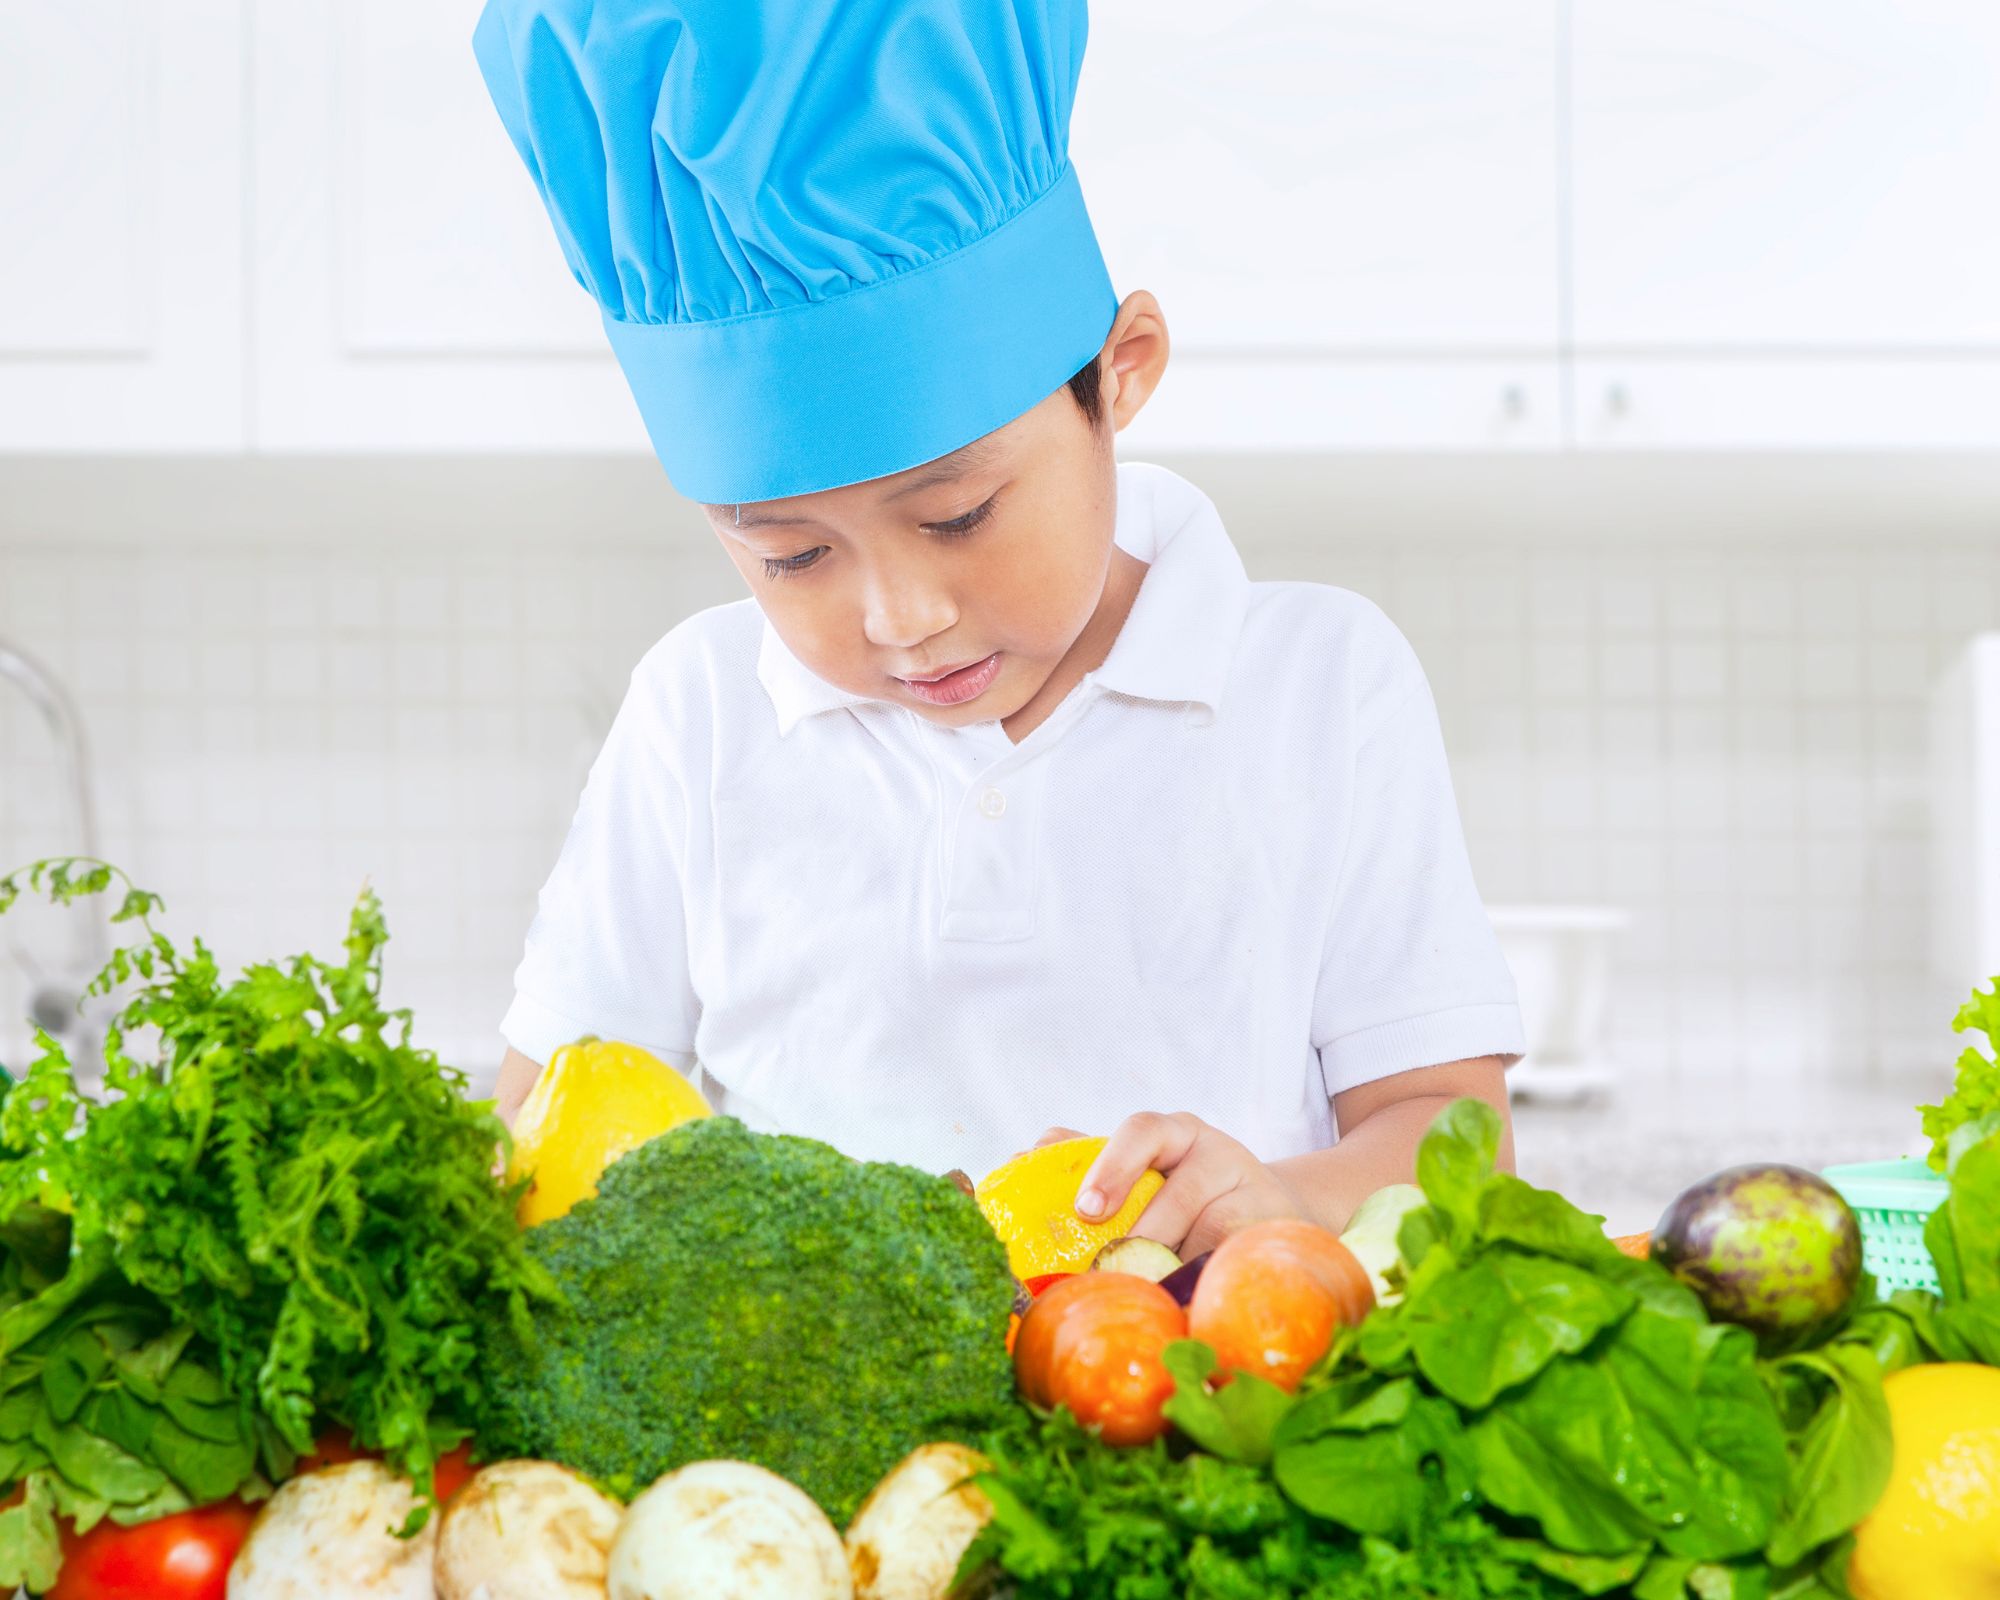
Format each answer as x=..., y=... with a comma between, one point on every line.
x=1380, y=1125
x=517, y=1077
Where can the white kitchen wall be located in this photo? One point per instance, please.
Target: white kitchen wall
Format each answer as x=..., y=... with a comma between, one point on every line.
x=1693, y=689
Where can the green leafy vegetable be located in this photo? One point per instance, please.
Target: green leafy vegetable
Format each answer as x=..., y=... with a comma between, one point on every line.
x=1237, y=1421
x=1840, y=1446
x=282, y=1217
x=1075, y=1519
x=1976, y=1090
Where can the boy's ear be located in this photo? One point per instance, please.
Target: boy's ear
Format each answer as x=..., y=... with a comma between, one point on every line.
x=1134, y=356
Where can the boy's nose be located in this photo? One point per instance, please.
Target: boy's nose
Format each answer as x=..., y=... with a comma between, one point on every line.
x=900, y=615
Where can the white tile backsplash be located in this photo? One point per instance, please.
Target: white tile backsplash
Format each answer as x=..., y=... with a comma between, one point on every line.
x=1698, y=713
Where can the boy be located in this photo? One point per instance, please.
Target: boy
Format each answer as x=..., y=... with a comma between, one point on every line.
x=1006, y=800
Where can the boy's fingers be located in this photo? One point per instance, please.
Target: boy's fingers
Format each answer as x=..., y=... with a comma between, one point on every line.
x=1195, y=1191
x=1056, y=1136
x=1147, y=1140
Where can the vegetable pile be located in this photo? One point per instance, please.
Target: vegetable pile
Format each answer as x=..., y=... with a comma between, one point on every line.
x=1537, y=1407
x=280, y=1220
x=714, y=1349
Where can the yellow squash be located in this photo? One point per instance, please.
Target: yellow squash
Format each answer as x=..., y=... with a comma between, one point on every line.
x=1031, y=1202
x=595, y=1100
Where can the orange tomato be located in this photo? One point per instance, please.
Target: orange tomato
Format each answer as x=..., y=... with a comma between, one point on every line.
x=1094, y=1343
x=1273, y=1295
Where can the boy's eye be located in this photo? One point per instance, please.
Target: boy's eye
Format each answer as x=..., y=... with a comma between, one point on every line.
x=785, y=566
x=960, y=526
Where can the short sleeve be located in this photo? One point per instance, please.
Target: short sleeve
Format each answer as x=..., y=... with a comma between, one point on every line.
x=607, y=953
x=1413, y=975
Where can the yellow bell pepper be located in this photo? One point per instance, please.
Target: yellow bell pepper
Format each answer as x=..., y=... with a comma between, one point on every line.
x=596, y=1100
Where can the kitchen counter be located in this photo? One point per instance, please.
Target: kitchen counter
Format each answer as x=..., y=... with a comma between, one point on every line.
x=1628, y=1155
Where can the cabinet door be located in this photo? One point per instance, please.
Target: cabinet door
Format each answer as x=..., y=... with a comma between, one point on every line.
x=121, y=281
x=1785, y=227
x=410, y=291
x=1348, y=209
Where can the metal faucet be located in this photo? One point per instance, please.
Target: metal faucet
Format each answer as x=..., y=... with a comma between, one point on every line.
x=55, y=996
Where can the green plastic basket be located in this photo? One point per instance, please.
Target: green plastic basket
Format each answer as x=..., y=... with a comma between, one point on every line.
x=1893, y=1200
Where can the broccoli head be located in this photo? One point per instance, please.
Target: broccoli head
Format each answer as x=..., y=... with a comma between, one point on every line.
x=760, y=1298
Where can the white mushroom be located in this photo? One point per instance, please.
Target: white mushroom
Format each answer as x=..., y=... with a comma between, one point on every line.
x=726, y=1530
x=525, y=1530
x=907, y=1540
x=334, y=1532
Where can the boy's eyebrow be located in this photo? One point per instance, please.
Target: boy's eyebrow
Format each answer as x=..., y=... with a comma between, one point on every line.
x=946, y=469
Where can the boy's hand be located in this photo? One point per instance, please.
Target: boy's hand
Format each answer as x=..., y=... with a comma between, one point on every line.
x=1214, y=1185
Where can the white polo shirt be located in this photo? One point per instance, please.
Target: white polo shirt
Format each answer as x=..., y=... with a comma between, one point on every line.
x=1225, y=876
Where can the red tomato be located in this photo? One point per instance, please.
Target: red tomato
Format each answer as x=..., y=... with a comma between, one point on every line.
x=1094, y=1343
x=334, y=1446
x=1038, y=1285
x=182, y=1557
x=453, y=1470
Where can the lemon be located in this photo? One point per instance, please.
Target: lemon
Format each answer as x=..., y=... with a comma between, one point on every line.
x=1936, y=1533
x=595, y=1100
x=1031, y=1202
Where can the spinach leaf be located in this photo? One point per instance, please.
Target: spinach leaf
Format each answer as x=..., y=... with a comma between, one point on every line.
x=1235, y=1422
x=1454, y=1161
x=1663, y=1433
x=1591, y=1575
x=1513, y=1211
x=1371, y=1482
x=1840, y=1460
x=1497, y=1321
x=1369, y=1455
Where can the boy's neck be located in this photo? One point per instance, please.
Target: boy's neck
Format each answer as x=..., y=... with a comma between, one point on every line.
x=1121, y=588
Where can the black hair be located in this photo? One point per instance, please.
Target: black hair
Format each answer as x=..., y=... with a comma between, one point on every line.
x=1084, y=389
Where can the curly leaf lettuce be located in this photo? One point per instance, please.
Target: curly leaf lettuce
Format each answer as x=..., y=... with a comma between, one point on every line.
x=1975, y=1092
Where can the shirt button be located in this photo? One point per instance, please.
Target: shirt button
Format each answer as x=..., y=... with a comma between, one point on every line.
x=992, y=803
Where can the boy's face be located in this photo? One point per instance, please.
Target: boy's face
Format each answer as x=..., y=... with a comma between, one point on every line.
x=954, y=588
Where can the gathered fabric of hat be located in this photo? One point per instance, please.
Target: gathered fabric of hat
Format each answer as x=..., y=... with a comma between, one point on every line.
x=831, y=239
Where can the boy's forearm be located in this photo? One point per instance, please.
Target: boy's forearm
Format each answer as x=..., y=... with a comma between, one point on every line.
x=1379, y=1150
x=517, y=1077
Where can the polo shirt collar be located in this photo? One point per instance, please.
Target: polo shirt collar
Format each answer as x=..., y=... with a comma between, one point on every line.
x=795, y=689
x=1177, y=641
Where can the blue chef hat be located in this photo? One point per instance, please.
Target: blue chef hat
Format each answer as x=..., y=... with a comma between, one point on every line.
x=831, y=239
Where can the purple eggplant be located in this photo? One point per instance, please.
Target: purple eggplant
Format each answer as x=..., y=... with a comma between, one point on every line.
x=1181, y=1281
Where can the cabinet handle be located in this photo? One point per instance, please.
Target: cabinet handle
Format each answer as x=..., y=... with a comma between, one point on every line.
x=1618, y=401
x=1514, y=402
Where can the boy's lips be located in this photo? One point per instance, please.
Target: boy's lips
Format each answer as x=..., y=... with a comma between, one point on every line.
x=958, y=685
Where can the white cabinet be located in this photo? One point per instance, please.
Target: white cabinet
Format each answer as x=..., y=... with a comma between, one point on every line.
x=410, y=291
x=296, y=225
x=122, y=143
x=1348, y=210
x=1784, y=224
